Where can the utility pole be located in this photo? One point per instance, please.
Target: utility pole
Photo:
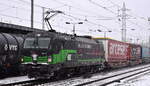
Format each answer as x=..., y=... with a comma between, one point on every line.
x=74, y=23
x=104, y=32
x=149, y=30
x=124, y=22
x=43, y=18
x=32, y=13
x=149, y=41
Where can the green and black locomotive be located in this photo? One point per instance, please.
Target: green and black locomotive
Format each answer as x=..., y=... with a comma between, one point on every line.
x=49, y=54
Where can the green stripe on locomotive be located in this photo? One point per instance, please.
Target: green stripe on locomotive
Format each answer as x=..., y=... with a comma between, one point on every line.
x=56, y=58
x=60, y=58
x=92, y=60
x=63, y=54
x=27, y=59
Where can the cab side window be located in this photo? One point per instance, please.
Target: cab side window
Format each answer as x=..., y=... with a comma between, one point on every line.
x=57, y=45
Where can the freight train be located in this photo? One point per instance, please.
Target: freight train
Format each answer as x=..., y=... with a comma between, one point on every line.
x=119, y=54
x=10, y=47
x=51, y=54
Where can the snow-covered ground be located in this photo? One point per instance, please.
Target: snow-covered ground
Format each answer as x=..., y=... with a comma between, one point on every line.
x=143, y=80
x=79, y=80
x=139, y=80
x=14, y=79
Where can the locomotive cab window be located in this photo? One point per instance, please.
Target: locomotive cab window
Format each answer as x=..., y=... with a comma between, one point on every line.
x=37, y=43
x=57, y=45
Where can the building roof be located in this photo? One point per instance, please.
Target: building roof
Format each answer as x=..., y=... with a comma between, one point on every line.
x=16, y=29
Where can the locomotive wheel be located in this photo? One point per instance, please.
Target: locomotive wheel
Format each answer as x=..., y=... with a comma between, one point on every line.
x=57, y=75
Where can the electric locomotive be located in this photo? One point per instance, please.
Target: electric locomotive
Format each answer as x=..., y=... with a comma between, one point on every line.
x=48, y=54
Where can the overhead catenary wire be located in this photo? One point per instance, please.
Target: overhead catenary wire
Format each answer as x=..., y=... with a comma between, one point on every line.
x=16, y=7
x=18, y=18
x=141, y=27
x=87, y=21
x=77, y=8
x=74, y=15
x=80, y=18
x=71, y=16
x=114, y=4
x=40, y=6
x=64, y=5
x=132, y=15
x=104, y=17
x=103, y=7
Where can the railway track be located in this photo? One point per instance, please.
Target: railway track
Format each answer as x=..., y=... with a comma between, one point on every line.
x=115, y=78
x=22, y=83
x=100, y=79
x=26, y=83
x=14, y=80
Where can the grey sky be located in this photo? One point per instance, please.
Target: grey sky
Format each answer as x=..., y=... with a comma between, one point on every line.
x=141, y=7
x=18, y=12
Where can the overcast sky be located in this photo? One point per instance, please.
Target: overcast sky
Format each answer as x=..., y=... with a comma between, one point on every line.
x=100, y=14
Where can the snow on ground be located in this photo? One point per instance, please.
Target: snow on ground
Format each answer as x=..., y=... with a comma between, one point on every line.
x=138, y=81
x=143, y=80
x=79, y=80
x=14, y=79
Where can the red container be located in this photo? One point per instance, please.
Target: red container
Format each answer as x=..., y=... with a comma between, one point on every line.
x=116, y=52
x=135, y=54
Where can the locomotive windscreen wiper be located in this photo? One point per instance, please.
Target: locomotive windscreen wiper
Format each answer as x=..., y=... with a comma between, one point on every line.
x=35, y=43
x=30, y=43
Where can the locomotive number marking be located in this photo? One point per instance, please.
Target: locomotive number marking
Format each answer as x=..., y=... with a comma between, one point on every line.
x=69, y=57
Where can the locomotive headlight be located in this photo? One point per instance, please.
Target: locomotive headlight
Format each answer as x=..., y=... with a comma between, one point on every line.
x=49, y=59
x=38, y=35
x=34, y=56
x=22, y=60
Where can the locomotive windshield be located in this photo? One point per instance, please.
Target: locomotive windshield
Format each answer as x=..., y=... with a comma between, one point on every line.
x=36, y=42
